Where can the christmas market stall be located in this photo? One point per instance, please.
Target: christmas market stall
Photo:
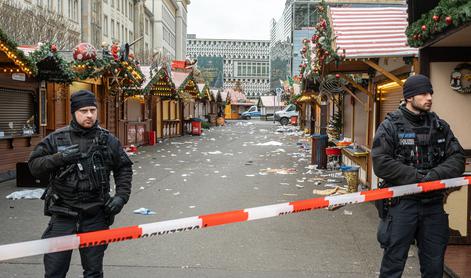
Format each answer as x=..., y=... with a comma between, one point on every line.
x=161, y=89
x=22, y=107
x=359, y=79
x=203, y=106
x=187, y=91
x=441, y=30
x=112, y=77
x=57, y=75
x=236, y=102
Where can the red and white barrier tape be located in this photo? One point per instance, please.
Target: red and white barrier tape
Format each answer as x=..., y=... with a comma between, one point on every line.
x=50, y=245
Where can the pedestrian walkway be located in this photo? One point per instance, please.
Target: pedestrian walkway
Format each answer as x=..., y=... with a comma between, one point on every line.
x=244, y=164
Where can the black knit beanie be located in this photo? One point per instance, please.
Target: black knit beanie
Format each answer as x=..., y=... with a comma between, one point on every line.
x=82, y=98
x=416, y=85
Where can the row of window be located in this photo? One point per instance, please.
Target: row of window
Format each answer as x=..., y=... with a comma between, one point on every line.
x=58, y=7
x=119, y=32
x=126, y=7
x=252, y=69
x=228, y=43
x=169, y=37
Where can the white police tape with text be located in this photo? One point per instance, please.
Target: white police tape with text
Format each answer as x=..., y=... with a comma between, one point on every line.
x=50, y=245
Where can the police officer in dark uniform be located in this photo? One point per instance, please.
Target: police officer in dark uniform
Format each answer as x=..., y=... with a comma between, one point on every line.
x=413, y=145
x=78, y=160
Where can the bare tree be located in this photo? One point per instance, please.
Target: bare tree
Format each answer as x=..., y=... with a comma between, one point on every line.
x=30, y=26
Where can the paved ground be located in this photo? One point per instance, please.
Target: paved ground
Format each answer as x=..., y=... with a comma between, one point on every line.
x=220, y=171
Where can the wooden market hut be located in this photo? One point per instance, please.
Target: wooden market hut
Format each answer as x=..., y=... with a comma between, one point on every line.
x=363, y=65
x=187, y=91
x=203, y=106
x=164, y=108
x=236, y=102
x=22, y=107
x=445, y=56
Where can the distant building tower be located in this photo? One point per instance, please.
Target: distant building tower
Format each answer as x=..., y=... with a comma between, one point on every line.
x=244, y=61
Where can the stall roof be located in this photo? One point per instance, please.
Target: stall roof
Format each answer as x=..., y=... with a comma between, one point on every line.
x=179, y=77
x=270, y=101
x=146, y=73
x=371, y=32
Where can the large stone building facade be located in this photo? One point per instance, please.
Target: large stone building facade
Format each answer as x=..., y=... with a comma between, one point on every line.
x=160, y=25
x=244, y=61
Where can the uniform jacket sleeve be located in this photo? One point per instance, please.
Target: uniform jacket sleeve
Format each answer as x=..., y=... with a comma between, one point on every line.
x=385, y=165
x=122, y=170
x=454, y=164
x=44, y=160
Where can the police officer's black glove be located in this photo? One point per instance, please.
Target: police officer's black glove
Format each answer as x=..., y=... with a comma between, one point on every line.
x=430, y=176
x=70, y=155
x=114, y=205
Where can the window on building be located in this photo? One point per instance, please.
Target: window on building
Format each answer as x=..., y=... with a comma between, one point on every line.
x=112, y=29
x=105, y=25
x=49, y=5
x=126, y=34
x=122, y=6
x=131, y=36
x=112, y=3
x=147, y=27
x=131, y=8
x=117, y=31
x=126, y=9
x=59, y=7
x=117, y=4
x=122, y=33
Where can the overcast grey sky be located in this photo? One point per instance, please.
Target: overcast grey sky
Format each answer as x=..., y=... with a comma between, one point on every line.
x=233, y=19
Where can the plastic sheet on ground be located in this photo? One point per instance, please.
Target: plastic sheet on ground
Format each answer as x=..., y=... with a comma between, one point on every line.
x=144, y=211
x=26, y=194
x=270, y=143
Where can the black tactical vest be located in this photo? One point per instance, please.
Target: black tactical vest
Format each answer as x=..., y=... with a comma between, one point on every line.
x=85, y=183
x=422, y=147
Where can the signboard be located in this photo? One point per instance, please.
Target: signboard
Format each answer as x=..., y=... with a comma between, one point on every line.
x=18, y=76
x=212, y=69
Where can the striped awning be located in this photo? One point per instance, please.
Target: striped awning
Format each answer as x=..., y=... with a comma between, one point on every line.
x=371, y=32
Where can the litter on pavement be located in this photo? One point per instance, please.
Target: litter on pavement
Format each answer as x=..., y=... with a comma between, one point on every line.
x=282, y=171
x=144, y=211
x=270, y=143
x=26, y=194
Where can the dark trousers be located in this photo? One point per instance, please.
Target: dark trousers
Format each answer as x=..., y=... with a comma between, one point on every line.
x=57, y=264
x=422, y=220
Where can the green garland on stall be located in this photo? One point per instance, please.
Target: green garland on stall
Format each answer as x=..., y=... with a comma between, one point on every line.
x=99, y=67
x=447, y=15
x=161, y=75
x=321, y=45
x=12, y=46
x=45, y=54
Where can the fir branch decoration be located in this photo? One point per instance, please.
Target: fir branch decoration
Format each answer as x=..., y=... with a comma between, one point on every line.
x=51, y=66
x=447, y=15
x=17, y=56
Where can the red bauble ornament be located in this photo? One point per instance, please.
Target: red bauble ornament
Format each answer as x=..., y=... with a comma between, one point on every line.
x=84, y=51
x=449, y=20
x=436, y=18
x=314, y=38
x=424, y=28
x=53, y=48
x=337, y=76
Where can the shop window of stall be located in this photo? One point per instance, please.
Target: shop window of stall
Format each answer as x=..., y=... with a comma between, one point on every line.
x=17, y=112
x=134, y=109
x=166, y=109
